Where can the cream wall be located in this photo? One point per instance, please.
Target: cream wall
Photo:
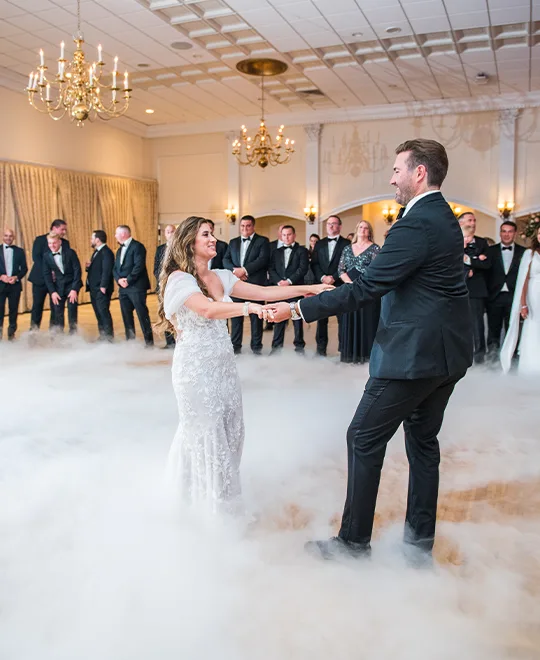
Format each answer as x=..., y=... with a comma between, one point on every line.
x=528, y=161
x=28, y=136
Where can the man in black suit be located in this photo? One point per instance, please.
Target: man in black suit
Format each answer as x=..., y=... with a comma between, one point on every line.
x=325, y=262
x=158, y=262
x=132, y=278
x=422, y=348
x=274, y=245
x=501, y=282
x=12, y=269
x=477, y=261
x=221, y=248
x=100, y=283
x=248, y=257
x=62, y=276
x=289, y=265
x=39, y=288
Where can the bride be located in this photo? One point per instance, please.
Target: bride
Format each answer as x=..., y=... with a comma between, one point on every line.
x=204, y=458
x=526, y=305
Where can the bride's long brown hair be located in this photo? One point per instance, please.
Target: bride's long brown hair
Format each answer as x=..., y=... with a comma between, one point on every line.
x=179, y=255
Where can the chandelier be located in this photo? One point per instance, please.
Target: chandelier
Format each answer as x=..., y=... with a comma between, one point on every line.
x=260, y=149
x=78, y=88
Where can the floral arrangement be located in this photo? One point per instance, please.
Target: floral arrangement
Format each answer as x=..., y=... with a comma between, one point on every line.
x=531, y=226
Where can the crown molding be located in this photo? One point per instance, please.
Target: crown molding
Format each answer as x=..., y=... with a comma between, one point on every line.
x=359, y=114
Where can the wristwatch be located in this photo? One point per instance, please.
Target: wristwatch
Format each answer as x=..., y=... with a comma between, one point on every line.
x=295, y=316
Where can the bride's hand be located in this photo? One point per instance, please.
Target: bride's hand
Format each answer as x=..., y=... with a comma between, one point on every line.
x=315, y=289
x=262, y=312
x=524, y=311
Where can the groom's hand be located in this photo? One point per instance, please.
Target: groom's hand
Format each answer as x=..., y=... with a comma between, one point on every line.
x=281, y=311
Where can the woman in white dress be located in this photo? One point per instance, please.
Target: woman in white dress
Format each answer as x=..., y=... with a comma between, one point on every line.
x=204, y=459
x=526, y=305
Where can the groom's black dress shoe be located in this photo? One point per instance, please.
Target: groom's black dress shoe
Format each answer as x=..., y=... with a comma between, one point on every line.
x=337, y=548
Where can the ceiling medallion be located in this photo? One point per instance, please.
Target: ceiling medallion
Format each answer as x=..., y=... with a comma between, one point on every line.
x=260, y=149
x=77, y=88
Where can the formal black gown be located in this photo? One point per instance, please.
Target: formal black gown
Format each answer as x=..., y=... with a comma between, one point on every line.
x=358, y=328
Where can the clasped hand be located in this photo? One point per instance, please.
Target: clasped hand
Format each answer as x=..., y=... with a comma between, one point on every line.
x=281, y=311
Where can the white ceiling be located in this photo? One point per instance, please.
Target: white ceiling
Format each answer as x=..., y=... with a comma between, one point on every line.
x=339, y=47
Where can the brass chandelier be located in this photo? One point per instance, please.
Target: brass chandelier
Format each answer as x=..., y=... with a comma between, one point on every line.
x=260, y=149
x=78, y=88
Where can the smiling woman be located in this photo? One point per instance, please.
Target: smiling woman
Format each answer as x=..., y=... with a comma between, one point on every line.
x=204, y=460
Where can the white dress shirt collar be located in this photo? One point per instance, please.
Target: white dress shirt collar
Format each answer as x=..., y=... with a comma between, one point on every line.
x=127, y=242
x=98, y=248
x=417, y=198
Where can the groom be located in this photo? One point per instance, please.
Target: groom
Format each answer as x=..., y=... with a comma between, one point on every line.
x=422, y=349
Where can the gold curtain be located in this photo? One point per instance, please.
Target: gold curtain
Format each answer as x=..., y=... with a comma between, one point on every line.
x=79, y=208
x=144, y=200
x=35, y=198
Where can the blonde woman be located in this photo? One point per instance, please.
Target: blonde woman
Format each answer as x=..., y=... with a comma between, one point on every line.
x=358, y=328
x=204, y=459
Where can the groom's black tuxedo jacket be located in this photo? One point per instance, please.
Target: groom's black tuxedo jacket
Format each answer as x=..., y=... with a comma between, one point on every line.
x=322, y=265
x=256, y=260
x=425, y=329
x=496, y=277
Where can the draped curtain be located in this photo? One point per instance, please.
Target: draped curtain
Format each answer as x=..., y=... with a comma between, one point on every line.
x=32, y=196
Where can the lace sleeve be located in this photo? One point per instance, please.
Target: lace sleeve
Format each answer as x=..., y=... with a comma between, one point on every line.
x=180, y=286
x=342, y=268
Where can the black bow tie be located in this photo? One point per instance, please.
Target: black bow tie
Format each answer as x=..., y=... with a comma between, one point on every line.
x=288, y=247
x=400, y=213
x=56, y=254
x=332, y=240
x=507, y=248
x=8, y=247
x=245, y=239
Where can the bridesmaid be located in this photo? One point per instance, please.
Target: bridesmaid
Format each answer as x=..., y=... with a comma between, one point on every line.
x=358, y=328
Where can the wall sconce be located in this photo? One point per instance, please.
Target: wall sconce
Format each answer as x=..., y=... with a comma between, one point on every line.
x=505, y=209
x=389, y=215
x=311, y=213
x=457, y=210
x=231, y=215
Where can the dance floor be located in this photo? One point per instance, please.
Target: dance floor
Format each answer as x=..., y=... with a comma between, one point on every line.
x=98, y=561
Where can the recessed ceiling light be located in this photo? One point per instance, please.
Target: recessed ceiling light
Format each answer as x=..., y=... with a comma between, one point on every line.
x=392, y=30
x=181, y=45
x=149, y=111
x=357, y=34
x=143, y=65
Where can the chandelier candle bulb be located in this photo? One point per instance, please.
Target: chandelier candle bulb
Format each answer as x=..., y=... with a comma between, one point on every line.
x=100, y=59
x=41, y=58
x=126, y=85
x=48, y=96
x=115, y=64
x=62, y=50
x=31, y=81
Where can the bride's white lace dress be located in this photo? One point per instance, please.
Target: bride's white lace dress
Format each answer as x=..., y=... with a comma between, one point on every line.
x=204, y=459
x=529, y=344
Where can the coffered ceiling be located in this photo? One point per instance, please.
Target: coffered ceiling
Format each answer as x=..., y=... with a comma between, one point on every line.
x=341, y=53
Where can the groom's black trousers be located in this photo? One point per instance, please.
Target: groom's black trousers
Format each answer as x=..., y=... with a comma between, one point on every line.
x=420, y=405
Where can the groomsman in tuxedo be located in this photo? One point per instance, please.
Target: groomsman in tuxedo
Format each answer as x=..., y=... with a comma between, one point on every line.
x=501, y=282
x=12, y=269
x=158, y=262
x=477, y=261
x=62, y=276
x=132, y=277
x=274, y=245
x=248, y=257
x=289, y=265
x=100, y=283
x=39, y=288
x=221, y=248
x=325, y=262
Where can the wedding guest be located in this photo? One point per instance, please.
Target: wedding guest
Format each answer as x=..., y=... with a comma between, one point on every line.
x=248, y=256
x=275, y=245
x=100, y=283
x=501, y=281
x=221, y=247
x=477, y=261
x=132, y=277
x=288, y=267
x=62, y=276
x=170, y=342
x=12, y=270
x=39, y=288
x=350, y=237
x=325, y=262
x=313, y=239
x=359, y=327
